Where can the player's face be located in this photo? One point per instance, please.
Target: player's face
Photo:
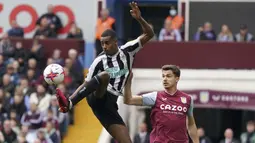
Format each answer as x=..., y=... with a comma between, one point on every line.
x=169, y=79
x=109, y=45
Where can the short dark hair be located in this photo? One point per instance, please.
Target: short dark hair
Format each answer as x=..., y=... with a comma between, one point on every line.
x=175, y=69
x=109, y=32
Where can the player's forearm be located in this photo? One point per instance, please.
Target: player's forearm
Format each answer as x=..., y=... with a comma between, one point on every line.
x=133, y=100
x=147, y=29
x=127, y=94
x=193, y=133
x=130, y=99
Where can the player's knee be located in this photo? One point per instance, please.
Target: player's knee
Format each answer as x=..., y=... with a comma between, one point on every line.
x=105, y=77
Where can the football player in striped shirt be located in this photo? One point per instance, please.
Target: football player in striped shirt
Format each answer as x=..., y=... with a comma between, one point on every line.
x=107, y=77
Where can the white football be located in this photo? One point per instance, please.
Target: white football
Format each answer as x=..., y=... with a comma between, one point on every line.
x=54, y=74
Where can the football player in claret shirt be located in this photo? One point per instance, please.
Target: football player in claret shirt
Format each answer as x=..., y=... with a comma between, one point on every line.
x=171, y=109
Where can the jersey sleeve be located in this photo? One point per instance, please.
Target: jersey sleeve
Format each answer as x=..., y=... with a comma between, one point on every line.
x=94, y=69
x=149, y=99
x=190, y=111
x=132, y=47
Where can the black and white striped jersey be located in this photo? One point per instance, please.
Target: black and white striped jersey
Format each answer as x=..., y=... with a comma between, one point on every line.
x=118, y=66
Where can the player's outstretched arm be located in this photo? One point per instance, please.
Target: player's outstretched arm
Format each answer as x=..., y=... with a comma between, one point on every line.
x=192, y=128
x=128, y=97
x=148, y=32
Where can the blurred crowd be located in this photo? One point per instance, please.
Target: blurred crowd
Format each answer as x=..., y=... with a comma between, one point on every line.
x=173, y=31
x=207, y=32
x=247, y=136
x=28, y=106
x=47, y=26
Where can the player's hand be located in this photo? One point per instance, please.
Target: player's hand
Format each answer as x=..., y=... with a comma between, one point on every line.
x=135, y=12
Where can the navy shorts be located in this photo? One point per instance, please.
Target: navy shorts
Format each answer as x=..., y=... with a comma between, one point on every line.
x=105, y=109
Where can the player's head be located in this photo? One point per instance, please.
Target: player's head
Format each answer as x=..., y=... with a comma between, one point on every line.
x=109, y=42
x=171, y=75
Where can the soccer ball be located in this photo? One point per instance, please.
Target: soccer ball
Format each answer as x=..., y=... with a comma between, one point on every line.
x=54, y=74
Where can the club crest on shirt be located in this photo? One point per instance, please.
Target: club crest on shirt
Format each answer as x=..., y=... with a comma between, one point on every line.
x=184, y=100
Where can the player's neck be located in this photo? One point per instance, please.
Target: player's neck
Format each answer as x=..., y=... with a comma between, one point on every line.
x=115, y=52
x=171, y=91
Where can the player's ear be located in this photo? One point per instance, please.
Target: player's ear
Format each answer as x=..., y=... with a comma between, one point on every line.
x=177, y=79
x=116, y=41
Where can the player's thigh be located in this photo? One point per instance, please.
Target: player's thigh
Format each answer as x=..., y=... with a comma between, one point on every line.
x=100, y=91
x=120, y=133
x=104, y=78
x=106, y=111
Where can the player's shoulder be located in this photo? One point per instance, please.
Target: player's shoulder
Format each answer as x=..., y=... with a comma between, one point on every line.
x=131, y=43
x=100, y=57
x=98, y=60
x=153, y=93
x=184, y=94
